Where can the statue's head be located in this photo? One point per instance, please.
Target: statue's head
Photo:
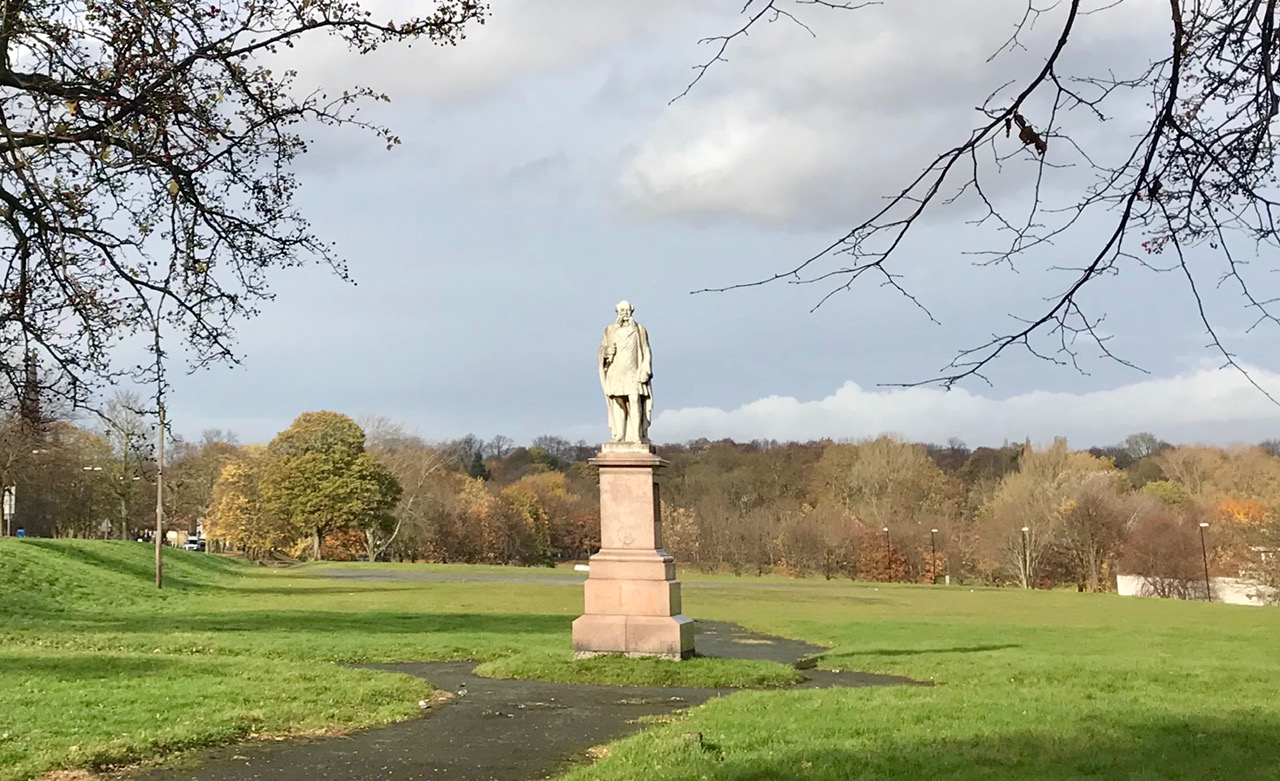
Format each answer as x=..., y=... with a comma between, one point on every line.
x=624, y=311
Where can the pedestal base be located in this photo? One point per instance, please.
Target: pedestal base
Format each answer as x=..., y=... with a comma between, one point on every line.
x=667, y=637
x=631, y=598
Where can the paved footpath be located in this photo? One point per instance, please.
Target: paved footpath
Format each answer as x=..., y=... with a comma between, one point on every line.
x=494, y=729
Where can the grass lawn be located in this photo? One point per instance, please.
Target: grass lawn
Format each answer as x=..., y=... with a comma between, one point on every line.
x=96, y=668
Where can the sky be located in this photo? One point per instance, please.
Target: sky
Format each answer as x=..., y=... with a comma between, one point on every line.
x=545, y=174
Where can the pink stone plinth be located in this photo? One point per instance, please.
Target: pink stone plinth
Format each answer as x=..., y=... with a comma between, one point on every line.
x=631, y=597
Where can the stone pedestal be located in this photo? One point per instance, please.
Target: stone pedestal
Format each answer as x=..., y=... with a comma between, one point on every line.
x=632, y=596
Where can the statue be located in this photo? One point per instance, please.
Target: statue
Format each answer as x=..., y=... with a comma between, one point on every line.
x=626, y=369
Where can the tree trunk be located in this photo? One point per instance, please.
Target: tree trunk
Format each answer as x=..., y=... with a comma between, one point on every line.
x=315, y=544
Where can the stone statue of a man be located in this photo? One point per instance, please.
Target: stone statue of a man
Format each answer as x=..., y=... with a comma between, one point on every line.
x=626, y=369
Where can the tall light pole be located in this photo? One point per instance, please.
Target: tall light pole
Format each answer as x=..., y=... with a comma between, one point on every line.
x=888, y=571
x=933, y=544
x=1026, y=559
x=1204, y=554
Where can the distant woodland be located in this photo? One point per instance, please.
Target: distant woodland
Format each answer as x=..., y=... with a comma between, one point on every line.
x=1026, y=514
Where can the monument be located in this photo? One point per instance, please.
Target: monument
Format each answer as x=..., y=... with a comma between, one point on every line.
x=632, y=597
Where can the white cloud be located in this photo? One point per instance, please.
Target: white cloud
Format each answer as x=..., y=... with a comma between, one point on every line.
x=807, y=129
x=1205, y=405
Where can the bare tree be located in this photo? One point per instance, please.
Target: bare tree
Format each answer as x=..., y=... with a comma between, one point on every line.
x=146, y=177
x=1163, y=550
x=412, y=462
x=499, y=447
x=1198, y=174
x=129, y=436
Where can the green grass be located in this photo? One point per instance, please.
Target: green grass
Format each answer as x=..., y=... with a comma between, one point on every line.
x=1043, y=685
x=620, y=671
x=99, y=709
x=97, y=668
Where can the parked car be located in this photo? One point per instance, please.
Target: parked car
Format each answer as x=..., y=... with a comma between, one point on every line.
x=194, y=544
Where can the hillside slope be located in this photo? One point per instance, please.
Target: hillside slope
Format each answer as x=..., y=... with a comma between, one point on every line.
x=39, y=575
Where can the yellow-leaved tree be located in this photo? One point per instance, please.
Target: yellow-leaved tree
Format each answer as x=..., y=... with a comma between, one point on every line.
x=237, y=515
x=1236, y=490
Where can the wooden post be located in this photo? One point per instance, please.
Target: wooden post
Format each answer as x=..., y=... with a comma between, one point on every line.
x=160, y=497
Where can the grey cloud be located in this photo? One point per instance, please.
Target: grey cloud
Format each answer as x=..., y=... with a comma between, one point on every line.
x=521, y=38
x=816, y=130
x=537, y=171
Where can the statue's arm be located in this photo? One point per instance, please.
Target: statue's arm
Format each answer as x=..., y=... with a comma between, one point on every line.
x=603, y=353
x=602, y=356
x=646, y=357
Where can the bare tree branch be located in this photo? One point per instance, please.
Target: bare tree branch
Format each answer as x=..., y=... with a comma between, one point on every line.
x=1201, y=173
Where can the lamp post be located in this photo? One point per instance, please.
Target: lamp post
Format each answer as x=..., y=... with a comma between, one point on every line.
x=887, y=569
x=933, y=545
x=1204, y=554
x=1026, y=559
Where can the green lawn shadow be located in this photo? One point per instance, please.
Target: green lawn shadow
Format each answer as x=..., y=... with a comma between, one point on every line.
x=310, y=621
x=185, y=572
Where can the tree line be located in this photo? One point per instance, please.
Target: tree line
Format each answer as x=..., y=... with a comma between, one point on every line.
x=889, y=510
x=882, y=509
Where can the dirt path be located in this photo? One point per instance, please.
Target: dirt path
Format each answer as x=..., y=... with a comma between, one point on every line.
x=494, y=729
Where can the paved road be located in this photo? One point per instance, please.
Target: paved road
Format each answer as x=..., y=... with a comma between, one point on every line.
x=494, y=729
x=519, y=575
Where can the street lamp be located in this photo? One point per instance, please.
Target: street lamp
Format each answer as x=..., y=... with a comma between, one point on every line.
x=1026, y=559
x=1204, y=554
x=933, y=544
x=887, y=569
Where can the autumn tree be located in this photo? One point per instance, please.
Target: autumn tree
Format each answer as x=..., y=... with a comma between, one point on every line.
x=1237, y=489
x=1196, y=468
x=238, y=516
x=147, y=173
x=887, y=482
x=741, y=497
x=499, y=446
x=1095, y=520
x=1035, y=498
x=529, y=523
x=560, y=451
x=680, y=533
x=1163, y=549
x=192, y=472
x=1168, y=492
x=318, y=476
x=499, y=538
x=439, y=527
x=573, y=519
